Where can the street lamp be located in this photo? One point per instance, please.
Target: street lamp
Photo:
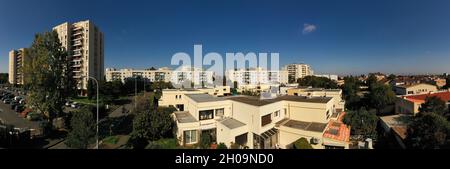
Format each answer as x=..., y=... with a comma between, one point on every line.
x=89, y=77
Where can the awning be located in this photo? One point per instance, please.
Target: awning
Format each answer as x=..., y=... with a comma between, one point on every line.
x=269, y=133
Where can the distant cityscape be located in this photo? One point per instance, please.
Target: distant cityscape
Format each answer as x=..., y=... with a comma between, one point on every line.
x=263, y=109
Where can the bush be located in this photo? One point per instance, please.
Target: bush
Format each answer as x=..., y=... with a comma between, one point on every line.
x=205, y=141
x=302, y=143
x=222, y=146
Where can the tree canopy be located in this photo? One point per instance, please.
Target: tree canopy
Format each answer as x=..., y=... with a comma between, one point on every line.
x=350, y=91
x=434, y=105
x=317, y=82
x=48, y=75
x=83, y=129
x=428, y=131
x=380, y=96
x=151, y=123
x=362, y=122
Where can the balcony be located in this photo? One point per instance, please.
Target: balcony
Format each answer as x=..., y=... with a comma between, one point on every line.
x=77, y=33
x=77, y=54
x=77, y=44
x=77, y=28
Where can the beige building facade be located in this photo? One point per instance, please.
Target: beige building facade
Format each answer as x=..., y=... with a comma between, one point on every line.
x=85, y=44
x=257, y=123
x=296, y=71
x=421, y=88
x=16, y=65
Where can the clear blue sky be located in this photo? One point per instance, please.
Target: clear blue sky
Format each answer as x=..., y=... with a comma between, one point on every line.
x=345, y=36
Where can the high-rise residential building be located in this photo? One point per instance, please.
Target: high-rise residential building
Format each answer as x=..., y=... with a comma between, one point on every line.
x=296, y=71
x=16, y=64
x=84, y=42
x=185, y=75
x=161, y=74
x=257, y=76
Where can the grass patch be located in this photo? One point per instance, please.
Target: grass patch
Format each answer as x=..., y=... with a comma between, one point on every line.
x=111, y=140
x=85, y=100
x=163, y=144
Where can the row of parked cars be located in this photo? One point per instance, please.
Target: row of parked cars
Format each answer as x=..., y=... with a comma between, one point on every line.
x=17, y=104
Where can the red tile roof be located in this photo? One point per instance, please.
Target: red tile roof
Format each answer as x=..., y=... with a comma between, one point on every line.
x=445, y=96
x=337, y=130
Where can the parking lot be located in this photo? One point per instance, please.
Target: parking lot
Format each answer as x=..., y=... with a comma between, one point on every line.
x=9, y=116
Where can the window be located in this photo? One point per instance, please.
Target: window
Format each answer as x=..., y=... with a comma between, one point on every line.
x=276, y=114
x=265, y=120
x=176, y=96
x=190, y=136
x=410, y=92
x=219, y=112
x=206, y=114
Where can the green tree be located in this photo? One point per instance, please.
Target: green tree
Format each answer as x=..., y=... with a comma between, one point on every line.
x=447, y=84
x=381, y=96
x=205, y=141
x=3, y=78
x=434, y=105
x=391, y=77
x=371, y=80
x=302, y=143
x=350, y=91
x=362, y=122
x=150, y=123
x=48, y=75
x=83, y=129
x=317, y=82
x=428, y=131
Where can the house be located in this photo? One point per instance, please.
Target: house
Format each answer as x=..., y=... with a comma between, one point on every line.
x=420, y=88
x=259, y=123
x=319, y=92
x=410, y=104
x=396, y=125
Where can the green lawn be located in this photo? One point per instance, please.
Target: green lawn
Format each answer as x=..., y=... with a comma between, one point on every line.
x=164, y=144
x=85, y=100
x=111, y=140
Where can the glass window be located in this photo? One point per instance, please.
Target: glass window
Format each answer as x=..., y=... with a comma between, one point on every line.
x=219, y=112
x=190, y=136
x=265, y=120
x=206, y=114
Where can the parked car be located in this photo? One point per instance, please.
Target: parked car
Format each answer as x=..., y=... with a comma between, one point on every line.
x=7, y=101
x=75, y=105
x=34, y=116
x=25, y=112
x=19, y=108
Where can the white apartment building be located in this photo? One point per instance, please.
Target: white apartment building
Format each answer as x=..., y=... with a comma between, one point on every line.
x=329, y=76
x=16, y=64
x=161, y=74
x=184, y=76
x=84, y=42
x=296, y=71
x=257, y=123
x=257, y=76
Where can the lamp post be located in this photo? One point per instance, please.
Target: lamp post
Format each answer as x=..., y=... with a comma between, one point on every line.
x=135, y=92
x=89, y=77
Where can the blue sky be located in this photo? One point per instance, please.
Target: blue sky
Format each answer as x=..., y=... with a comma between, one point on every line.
x=339, y=37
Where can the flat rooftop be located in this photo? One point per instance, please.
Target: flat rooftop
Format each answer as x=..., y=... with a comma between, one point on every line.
x=184, y=117
x=232, y=123
x=396, y=120
x=201, y=98
x=256, y=101
x=307, y=126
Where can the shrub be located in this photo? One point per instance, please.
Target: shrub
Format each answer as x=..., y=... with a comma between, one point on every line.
x=222, y=146
x=302, y=143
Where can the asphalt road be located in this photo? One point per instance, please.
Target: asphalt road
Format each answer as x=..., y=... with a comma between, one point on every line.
x=9, y=116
